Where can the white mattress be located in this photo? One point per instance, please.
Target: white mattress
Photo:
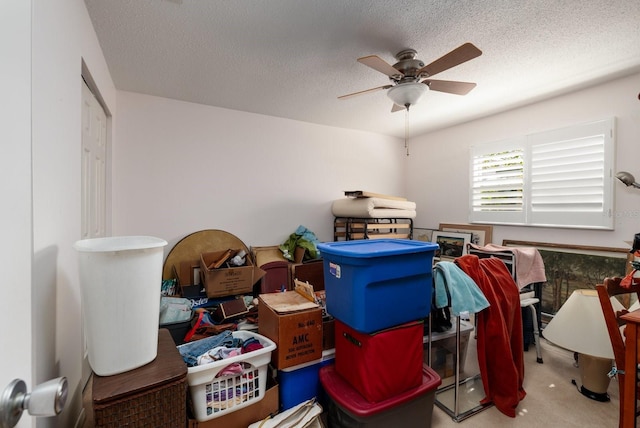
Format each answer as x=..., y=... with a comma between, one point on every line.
x=373, y=208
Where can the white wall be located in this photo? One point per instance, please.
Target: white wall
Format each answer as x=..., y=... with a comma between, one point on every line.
x=62, y=38
x=438, y=168
x=180, y=167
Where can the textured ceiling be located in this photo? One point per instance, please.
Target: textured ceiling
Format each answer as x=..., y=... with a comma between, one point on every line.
x=293, y=58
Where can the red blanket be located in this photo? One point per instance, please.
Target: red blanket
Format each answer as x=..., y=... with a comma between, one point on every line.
x=499, y=329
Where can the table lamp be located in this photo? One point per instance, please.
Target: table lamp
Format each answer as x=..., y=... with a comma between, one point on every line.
x=579, y=326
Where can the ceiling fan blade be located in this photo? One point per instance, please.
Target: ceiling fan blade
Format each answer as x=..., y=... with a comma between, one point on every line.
x=380, y=65
x=457, y=56
x=342, y=97
x=396, y=108
x=451, y=87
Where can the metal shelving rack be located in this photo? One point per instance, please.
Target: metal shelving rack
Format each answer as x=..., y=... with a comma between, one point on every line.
x=452, y=405
x=350, y=228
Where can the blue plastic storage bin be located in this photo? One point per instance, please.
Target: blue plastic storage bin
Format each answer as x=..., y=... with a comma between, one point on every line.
x=376, y=284
x=302, y=382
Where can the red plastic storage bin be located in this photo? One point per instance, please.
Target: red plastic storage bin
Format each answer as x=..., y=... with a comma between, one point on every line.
x=383, y=364
x=348, y=409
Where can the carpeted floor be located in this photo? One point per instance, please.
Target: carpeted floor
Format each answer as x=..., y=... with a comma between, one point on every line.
x=552, y=400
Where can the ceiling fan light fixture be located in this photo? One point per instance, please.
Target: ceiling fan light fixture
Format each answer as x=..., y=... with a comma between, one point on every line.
x=407, y=93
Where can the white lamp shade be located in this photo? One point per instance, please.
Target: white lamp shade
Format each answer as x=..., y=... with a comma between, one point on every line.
x=579, y=325
x=407, y=93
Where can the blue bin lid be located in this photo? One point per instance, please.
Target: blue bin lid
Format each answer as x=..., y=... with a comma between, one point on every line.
x=376, y=247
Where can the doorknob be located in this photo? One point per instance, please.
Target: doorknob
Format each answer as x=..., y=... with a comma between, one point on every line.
x=46, y=399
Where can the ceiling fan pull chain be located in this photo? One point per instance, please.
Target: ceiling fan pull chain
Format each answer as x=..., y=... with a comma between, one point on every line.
x=406, y=130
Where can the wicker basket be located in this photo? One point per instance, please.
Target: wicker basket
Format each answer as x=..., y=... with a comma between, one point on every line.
x=160, y=407
x=153, y=395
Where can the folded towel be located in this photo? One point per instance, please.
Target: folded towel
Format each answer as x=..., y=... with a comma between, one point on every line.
x=465, y=295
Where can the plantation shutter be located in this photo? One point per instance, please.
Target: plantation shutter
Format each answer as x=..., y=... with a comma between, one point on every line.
x=559, y=178
x=497, y=187
x=571, y=176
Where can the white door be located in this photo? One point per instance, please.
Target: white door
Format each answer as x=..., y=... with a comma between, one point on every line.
x=94, y=151
x=16, y=251
x=94, y=182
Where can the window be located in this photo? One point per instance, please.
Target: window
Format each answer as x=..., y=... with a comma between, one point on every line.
x=560, y=178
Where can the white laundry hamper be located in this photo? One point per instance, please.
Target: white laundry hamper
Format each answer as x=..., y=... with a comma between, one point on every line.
x=120, y=283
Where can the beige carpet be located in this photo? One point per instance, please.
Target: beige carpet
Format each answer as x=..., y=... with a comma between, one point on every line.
x=551, y=401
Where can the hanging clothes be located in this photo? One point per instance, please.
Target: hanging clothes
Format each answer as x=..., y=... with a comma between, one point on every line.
x=529, y=266
x=499, y=332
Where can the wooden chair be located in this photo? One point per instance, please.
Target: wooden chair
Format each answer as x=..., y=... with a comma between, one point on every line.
x=611, y=287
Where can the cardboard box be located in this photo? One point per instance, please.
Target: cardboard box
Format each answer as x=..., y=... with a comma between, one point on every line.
x=244, y=417
x=228, y=281
x=295, y=324
x=312, y=272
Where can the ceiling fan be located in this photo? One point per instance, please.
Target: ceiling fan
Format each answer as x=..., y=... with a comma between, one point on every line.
x=410, y=77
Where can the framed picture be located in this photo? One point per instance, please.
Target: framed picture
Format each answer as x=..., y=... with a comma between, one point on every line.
x=452, y=244
x=481, y=234
x=572, y=267
x=422, y=234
